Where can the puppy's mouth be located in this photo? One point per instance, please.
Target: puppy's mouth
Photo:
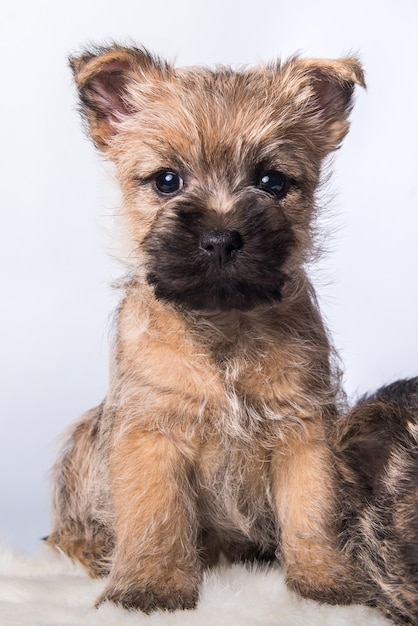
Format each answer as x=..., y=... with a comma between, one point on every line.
x=205, y=268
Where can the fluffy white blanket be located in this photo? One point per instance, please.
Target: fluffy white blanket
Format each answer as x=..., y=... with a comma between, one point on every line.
x=45, y=589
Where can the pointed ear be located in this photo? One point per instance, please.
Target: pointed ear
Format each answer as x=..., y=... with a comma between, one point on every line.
x=330, y=97
x=103, y=77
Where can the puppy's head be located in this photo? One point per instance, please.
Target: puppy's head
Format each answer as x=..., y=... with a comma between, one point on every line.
x=218, y=167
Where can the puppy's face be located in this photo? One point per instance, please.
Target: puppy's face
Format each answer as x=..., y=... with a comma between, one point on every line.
x=218, y=168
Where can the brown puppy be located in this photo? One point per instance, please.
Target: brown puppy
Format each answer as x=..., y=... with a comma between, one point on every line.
x=212, y=435
x=378, y=451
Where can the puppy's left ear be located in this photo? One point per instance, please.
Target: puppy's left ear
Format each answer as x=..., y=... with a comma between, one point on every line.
x=105, y=78
x=329, y=88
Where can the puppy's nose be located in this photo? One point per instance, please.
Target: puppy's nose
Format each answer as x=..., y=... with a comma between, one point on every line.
x=221, y=245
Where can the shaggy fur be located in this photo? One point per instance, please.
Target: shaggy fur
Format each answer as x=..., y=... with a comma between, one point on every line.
x=378, y=453
x=212, y=437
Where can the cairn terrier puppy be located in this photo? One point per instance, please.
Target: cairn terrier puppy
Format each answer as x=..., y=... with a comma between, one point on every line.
x=212, y=437
x=378, y=458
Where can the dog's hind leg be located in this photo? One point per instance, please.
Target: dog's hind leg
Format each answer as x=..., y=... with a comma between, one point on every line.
x=81, y=511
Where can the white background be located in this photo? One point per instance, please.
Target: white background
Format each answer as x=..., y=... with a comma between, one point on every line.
x=56, y=202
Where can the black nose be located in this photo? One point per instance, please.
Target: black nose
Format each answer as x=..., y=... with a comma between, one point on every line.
x=221, y=245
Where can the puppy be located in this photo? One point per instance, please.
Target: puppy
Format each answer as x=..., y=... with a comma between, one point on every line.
x=212, y=437
x=378, y=453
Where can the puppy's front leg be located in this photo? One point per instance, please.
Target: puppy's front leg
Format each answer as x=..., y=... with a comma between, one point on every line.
x=305, y=493
x=155, y=564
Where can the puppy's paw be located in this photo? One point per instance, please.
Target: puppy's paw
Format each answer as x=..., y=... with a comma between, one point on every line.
x=148, y=600
x=329, y=592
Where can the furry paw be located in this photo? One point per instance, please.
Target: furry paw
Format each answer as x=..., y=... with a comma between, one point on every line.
x=346, y=592
x=148, y=600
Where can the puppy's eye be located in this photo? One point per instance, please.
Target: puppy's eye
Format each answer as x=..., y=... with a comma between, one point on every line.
x=273, y=182
x=168, y=182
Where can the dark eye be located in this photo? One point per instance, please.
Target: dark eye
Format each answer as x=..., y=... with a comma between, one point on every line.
x=273, y=182
x=168, y=182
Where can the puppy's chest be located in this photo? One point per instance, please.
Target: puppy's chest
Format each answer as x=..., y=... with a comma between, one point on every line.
x=262, y=400
x=259, y=369
x=233, y=483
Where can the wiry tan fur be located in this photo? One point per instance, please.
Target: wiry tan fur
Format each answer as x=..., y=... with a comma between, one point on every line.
x=212, y=436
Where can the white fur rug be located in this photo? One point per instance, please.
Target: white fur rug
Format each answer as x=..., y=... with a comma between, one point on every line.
x=46, y=589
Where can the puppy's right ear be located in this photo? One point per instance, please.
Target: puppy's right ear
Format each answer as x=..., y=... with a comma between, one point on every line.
x=104, y=77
